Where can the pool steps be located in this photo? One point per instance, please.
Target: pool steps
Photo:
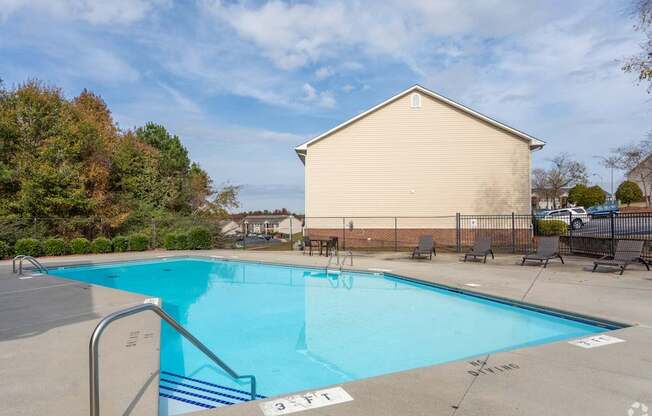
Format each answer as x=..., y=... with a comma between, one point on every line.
x=199, y=393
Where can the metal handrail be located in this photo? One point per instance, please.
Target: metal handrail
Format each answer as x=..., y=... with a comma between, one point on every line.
x=348, y=254
x=21, y=257
x=93, y=349
x=330, y=259
x=13, y=265
x=337, y=255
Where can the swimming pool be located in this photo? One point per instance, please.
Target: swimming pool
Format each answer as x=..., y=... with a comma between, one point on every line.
x=297, y=328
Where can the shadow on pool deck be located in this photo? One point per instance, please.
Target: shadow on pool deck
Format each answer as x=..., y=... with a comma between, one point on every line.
x=44, y=333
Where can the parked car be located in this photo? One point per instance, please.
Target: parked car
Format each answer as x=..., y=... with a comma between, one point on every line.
x=540, y=213
x=604, y=210
x=575, y=217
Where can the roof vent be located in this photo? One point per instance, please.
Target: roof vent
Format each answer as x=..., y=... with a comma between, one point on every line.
x=415, y=100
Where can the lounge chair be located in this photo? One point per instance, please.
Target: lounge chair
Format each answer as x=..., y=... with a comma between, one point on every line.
x=481, y=248
x=547, y=250
x=426, y=247
x=627, y=252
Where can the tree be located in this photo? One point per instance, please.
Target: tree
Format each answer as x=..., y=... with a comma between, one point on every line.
x=629, y=192
x=635, y=160
x=68, y=159
x=581, y=195
x=641, y=64
x=564, y=173
x=576, y=194
x=540, y=185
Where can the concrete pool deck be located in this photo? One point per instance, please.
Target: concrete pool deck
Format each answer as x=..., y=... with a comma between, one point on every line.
x=551, y=379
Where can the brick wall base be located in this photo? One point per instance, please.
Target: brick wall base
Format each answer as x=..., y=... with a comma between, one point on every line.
x=408, y=238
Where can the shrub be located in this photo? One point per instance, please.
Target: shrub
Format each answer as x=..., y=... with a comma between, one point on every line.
x=54, y=247
x=629, y=192
x=138, y=242
x=199, y=238
x=80, y=246
x=101, y=245
x=171, y=241
x=28, y=247
x=120, y=244
x=552, y=227
x=182, y=241
x=5, y=250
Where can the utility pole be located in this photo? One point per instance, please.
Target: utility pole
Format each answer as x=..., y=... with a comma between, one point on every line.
x=609, y=162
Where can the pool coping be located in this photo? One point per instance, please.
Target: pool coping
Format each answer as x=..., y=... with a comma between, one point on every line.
x=602, y=322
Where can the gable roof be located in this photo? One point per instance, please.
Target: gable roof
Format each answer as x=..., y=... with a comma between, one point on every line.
x=643, y=162
x=534, y=142
x=271, y=218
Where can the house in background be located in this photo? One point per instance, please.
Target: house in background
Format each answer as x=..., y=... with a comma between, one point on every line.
x=642, y=176
x=229, y=227
x=417, y=154
x=542, y=201
x=270, y=224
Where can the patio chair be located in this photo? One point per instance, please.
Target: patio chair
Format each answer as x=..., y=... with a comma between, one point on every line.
x=426, y=247
x=481, y=248
x=333, y=244
x=627, y=252
x=547, y=250
x=307, y=244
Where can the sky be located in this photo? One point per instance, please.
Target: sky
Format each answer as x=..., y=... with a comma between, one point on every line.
x=243, y=83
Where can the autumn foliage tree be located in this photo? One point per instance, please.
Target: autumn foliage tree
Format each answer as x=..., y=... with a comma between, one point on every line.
x=67, y=159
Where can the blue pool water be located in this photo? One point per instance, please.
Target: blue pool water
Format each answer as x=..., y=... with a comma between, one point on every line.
x=296, y=328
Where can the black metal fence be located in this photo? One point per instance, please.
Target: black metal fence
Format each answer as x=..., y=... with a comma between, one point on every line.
x=598, y=236
x=509, y=233
x=513, y=233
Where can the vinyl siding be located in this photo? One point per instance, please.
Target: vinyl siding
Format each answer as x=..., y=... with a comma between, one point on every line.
x=427, y=161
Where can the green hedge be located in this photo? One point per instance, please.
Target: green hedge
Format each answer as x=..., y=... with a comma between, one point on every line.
x=120, y=244
x=138, y=242
x=199, y=238
x=28, y=247
x=5, y=250
x=552, y=227
x=171, y=241
x=80, y=246
x=101, y=245
x=55, y=247
x=176, y=241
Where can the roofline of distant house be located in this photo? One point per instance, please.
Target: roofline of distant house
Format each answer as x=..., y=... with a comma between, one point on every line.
x=274, y=216
x=534, y=142
x=629, y=172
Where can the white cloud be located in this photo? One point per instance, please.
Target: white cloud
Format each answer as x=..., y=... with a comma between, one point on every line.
x=323, y=73
x=295, y=35
x=310, y=92
x=185, y=103
x=103, y=66
x=92, y=11
x=323, y=99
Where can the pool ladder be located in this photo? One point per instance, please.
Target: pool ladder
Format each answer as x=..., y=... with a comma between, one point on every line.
x=93, y=350
x=21, y=258
x=337, y=257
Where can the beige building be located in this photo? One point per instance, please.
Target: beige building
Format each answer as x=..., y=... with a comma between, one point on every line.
x=417, y=154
